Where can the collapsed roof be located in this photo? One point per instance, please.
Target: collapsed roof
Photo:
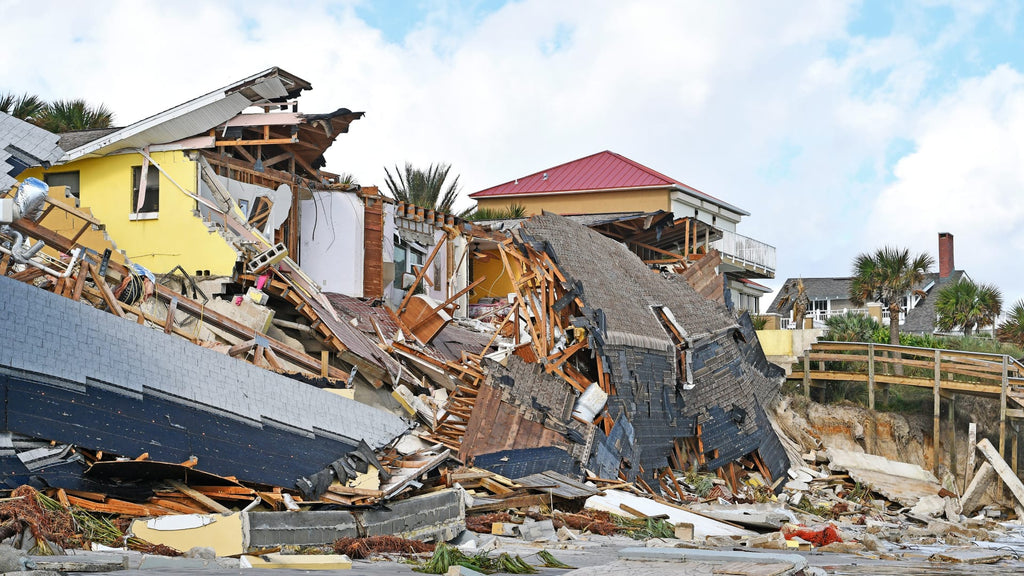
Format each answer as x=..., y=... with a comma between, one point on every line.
x=679, y=370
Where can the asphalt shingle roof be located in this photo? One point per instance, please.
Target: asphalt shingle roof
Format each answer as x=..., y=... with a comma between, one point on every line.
x=23, y=145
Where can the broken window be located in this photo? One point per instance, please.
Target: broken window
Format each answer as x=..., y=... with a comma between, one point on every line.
x=68, y=179
x=150, y=204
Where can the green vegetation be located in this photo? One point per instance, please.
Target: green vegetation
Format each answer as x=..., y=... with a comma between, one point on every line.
x=967, y=305
x=1011, y=330
x=852, y=327
x=510, y=212
x=57, y=116
x=445, y=556
x=424, y=188
x=887, y=276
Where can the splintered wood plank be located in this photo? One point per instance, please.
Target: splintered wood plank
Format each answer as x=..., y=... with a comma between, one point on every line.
x=199, y=497
x=112, y=506
x=169, y=322
x=177, y=506
x=108, y=296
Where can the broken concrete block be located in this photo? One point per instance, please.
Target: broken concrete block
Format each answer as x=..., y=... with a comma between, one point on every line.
x=929, y=506
x=565, y=534
x=770, y=541
x=971, y=500
x=952, y=510
x=684, y=531
x=797, y=486
x=11, y=559
x=872, y=542
x=504, y=529
x=533, y=531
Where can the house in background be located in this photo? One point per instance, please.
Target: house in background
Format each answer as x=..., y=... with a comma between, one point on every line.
x=190, y=185
x=831, y=296
x=609, y=183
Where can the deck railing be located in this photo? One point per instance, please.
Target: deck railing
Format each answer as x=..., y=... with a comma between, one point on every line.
x=747, y=252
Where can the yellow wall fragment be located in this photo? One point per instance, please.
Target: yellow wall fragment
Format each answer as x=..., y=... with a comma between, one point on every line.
x=223, y=534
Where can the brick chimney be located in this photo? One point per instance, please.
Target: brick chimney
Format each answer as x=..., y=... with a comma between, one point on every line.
x=945, y=254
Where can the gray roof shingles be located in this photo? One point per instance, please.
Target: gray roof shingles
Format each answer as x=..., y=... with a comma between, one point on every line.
x=31, y=144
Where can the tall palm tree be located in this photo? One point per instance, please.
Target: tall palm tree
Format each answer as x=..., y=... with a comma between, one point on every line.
x=67, y=115
x=1012, y=329
x=887, y=276
x=968, y=305
x=24, y=107
x=424, y=188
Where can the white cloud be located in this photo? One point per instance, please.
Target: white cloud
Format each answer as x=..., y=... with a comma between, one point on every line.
x=771, y=107
x=966, y=177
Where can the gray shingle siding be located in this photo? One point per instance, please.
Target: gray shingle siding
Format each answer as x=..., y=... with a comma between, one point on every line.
x=147, y=383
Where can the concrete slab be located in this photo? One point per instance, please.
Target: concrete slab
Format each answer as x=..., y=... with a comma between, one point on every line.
x=796, y=561
x=972, y=556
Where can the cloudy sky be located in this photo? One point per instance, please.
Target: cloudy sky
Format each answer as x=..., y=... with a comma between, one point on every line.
x=840, y=126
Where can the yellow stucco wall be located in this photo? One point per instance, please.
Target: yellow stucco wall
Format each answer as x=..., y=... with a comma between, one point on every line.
x=497, y=284
x=176, y=237
x=776, y=342
x=585, y=203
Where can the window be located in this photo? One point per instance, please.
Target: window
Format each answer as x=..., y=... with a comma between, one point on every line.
x=68, y=179
x=400, y=264
x=817, y=305
x=151, y=201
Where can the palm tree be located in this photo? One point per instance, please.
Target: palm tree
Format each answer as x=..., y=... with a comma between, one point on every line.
x=1012, y=329
x=424, y=187
x=851, y=327
x=24, y=107
x=887, y=276
x=967, y=305
x=67, y=115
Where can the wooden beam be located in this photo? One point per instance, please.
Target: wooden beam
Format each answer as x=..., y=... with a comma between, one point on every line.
x=108, y=296
x=255, y=142
x=169, y=323
x=199, y=497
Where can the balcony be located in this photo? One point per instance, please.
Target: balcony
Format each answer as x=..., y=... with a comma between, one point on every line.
x=753, y=258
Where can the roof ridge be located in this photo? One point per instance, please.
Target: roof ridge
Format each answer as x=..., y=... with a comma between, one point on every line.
x=543, y=171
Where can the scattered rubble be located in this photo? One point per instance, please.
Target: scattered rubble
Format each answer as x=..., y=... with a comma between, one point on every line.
x=265, y=419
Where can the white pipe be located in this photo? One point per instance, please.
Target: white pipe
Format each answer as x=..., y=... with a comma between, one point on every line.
x=35, y=248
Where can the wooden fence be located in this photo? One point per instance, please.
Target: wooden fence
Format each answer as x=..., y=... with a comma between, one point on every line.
x=944, y=371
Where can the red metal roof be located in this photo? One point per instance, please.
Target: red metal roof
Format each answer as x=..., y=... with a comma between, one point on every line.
x=602, y=171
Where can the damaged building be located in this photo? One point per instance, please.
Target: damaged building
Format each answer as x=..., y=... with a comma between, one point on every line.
x=685, y=382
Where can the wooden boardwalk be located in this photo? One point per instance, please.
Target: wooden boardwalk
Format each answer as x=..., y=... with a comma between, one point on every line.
x=946, y=372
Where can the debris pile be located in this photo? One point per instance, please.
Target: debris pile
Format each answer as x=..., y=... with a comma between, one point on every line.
x=606, y=396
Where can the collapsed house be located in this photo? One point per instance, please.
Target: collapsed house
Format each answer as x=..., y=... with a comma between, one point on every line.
x=607, y=355
x=684, y=380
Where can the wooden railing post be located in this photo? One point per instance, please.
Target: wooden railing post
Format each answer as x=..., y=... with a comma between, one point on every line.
x=1002, y=407
x=871, y=376
x=807, y=373
x=937, y=405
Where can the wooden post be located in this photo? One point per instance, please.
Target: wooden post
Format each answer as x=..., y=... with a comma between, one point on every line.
x=1013, y=454
x=951, y=426
x=871, y=376
x=972, y=439
x=325, y=363
x=936, y=409
x=807, y=373
x=1002, y=408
